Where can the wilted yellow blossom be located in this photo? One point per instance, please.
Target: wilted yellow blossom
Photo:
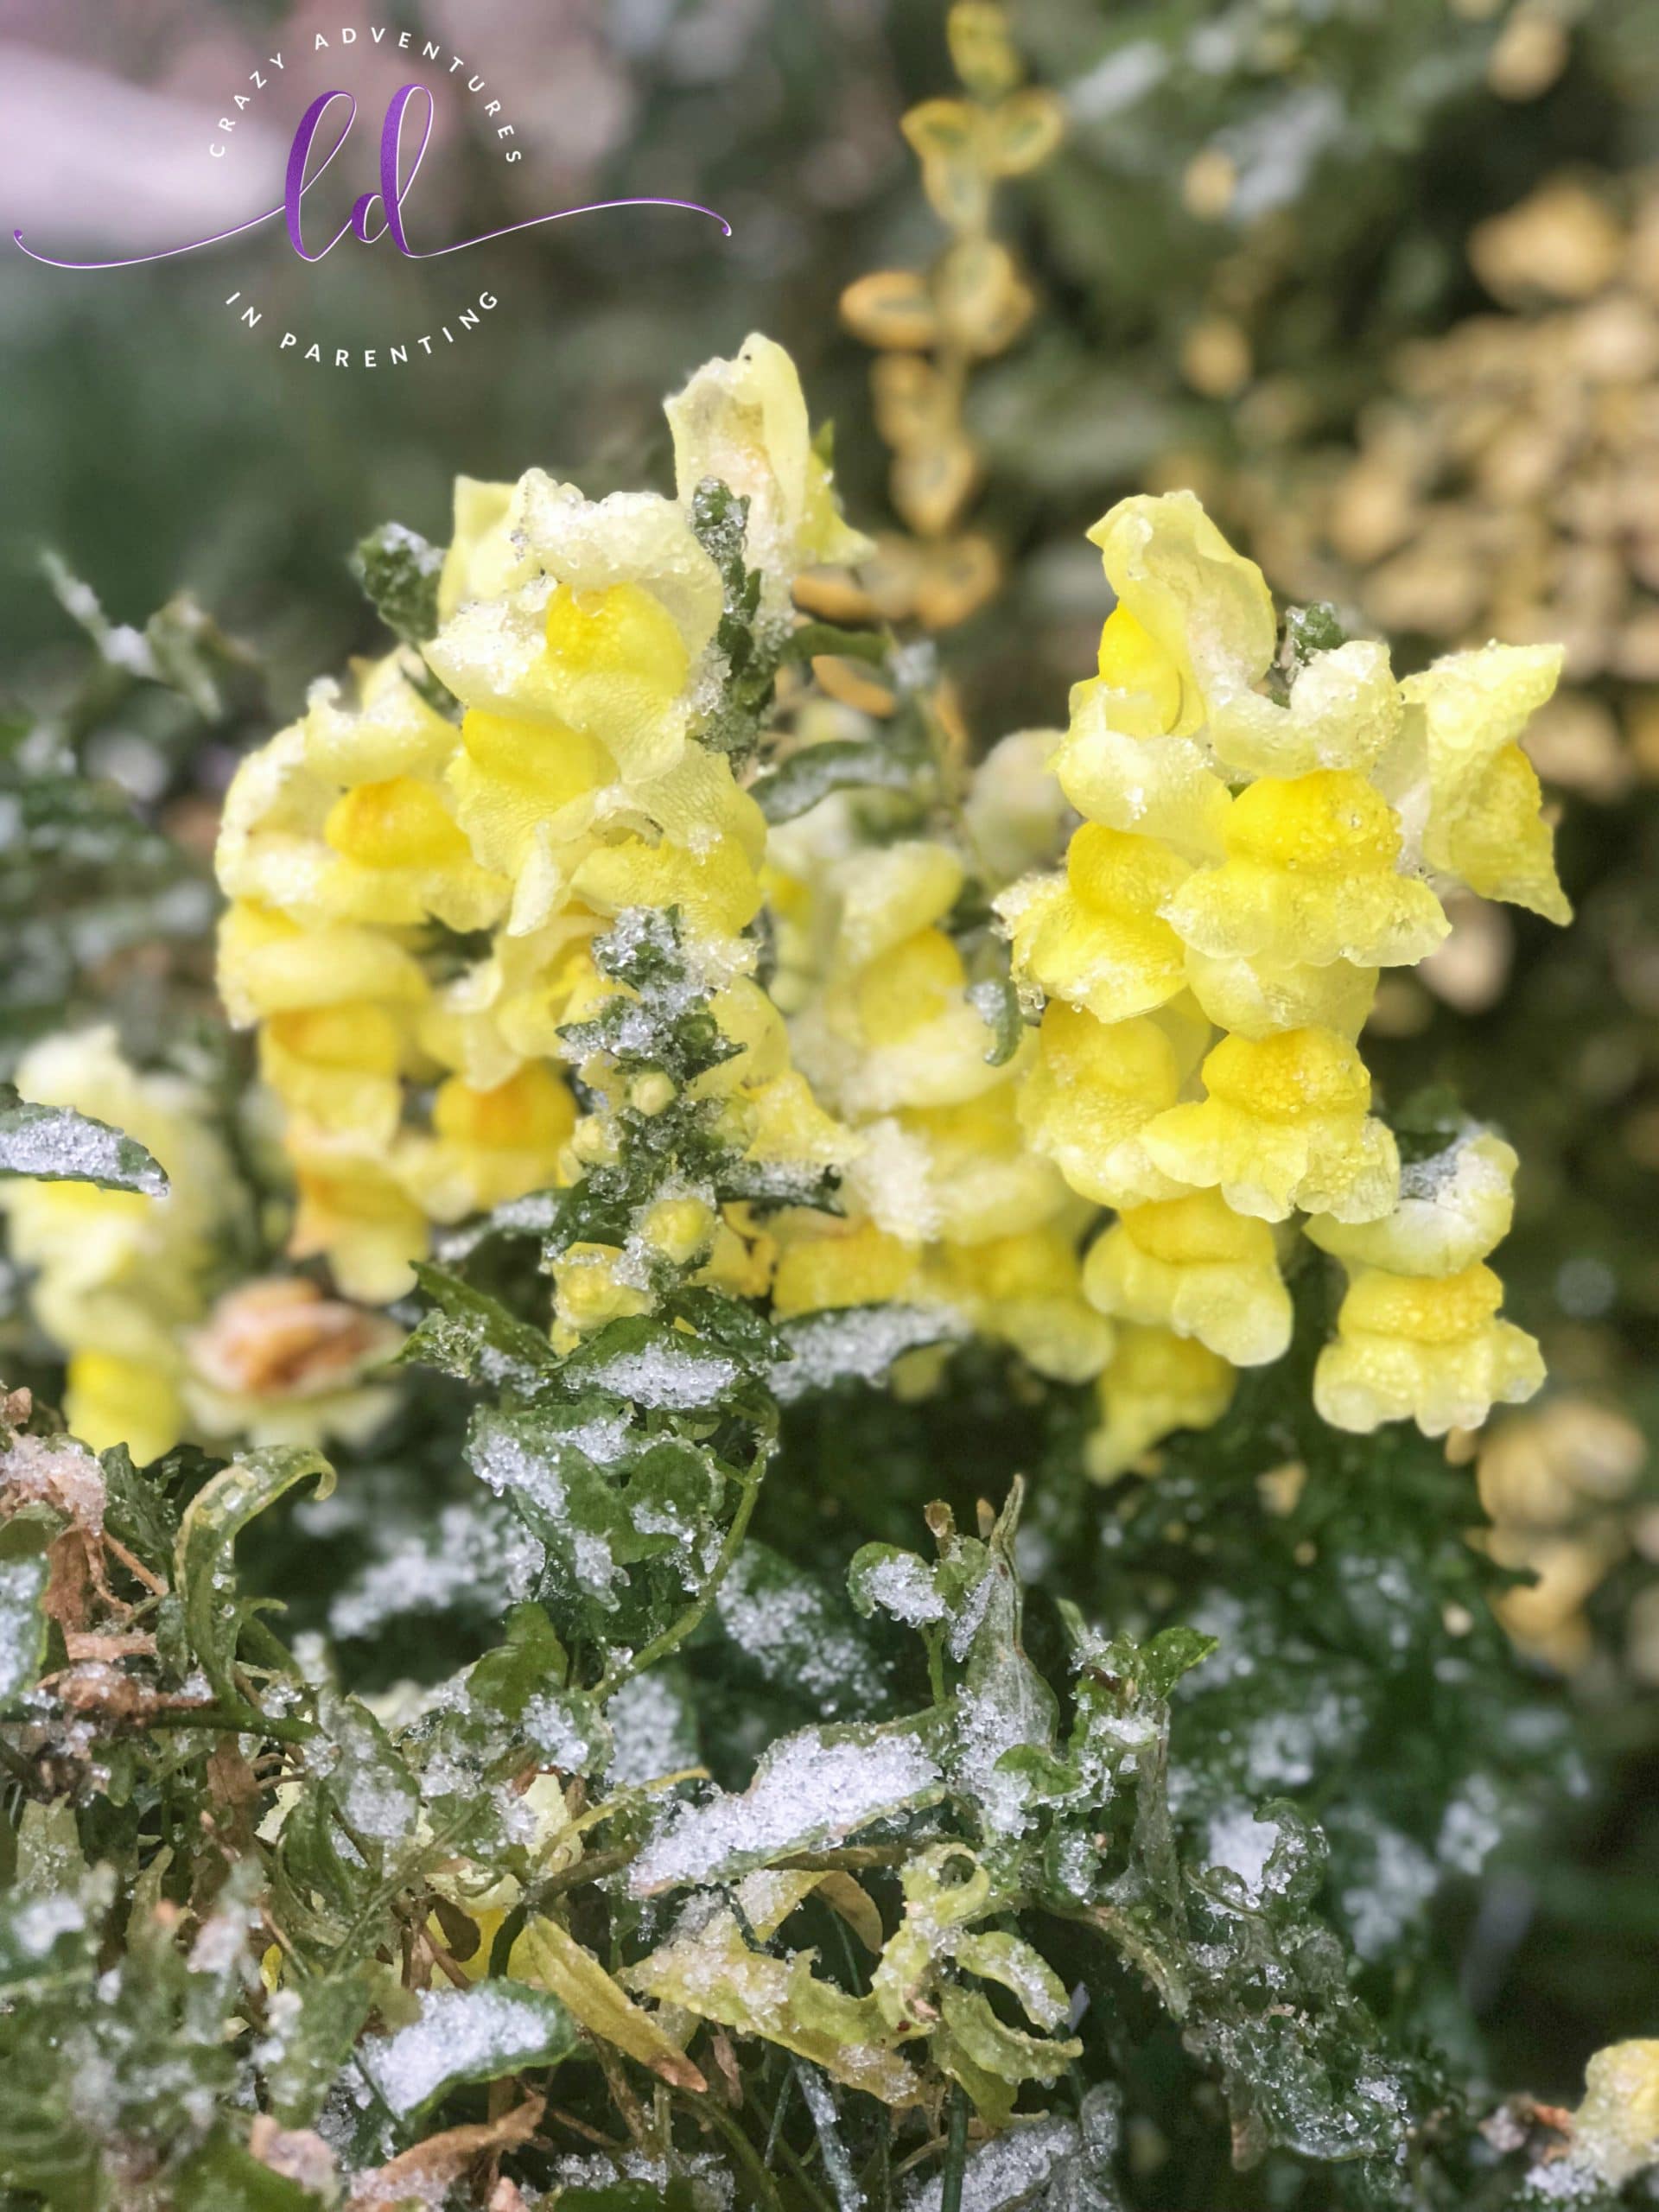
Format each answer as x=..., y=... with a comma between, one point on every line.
x=1155, y=1383
x=278, y=1363
x=1193, y=1265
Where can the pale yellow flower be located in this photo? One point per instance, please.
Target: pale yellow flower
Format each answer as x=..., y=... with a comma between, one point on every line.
x=488, y=1145
x=1454, y=1206
x=1484, y=825
x=1285, y=1125
x=825, y=1263
x=1094, y=937
x=1194, y=1266
x=1025, y=1290
x=1311, y=876
x=1154, y=1383
x=1342, y=711
x=1092, y=1090
x=1615, y=2129
x=745, y=422
x=1430, y=1349
x=352, y=1212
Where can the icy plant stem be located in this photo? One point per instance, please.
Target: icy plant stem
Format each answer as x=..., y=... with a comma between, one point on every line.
x=676, y=1631
x=955, y=2153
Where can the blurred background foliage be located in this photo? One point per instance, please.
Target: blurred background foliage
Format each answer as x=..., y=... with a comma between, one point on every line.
x=1276, y=259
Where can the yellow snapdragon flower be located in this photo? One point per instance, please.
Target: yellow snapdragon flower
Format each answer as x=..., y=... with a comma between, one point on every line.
x=1196, y=622
x=1484, y=827
x=745, y=422
x=1615, y=2129
x=1453, y=1208
x=1418, y=1335
x=1285, y=1124
x=1016, y=809
x=1154, y=1383
x=1194, y=626
x=972, y=1172
x=1193, y=1265
x=1091, y=1091
x=346, y=817
x=1427, y=1349
x=1095, y=938
x=824, y=1263
x=488, y=1145
x=1343, y=712
x=1311, y=876
x=1025, y=1290
x=269, y=964
x=1258, y=997
x=353, y=1211
x=601, y=628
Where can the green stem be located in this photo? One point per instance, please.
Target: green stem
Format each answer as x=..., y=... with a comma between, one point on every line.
x=955, y=2153
x=676, y=1631
x=762, y=2187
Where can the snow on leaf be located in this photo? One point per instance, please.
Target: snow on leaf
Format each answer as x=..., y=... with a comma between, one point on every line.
x=53, y=1144
x=467, y=2035
x=811, y=1789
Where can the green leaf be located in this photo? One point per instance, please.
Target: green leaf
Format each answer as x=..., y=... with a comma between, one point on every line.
x=812, y=639
x=811, y=1789
x=22, y=1623
x=996, y=1002
x=467, y=2035
x=1164, y=1658
x=472, y=1336
x=544, y=1461
x=840, y=763
x=398, y=570
x=203, y=1560
x=320, y=2017
x=647, y=1360
x=52, y=1936
x=855, y=1344
x=53, y=1144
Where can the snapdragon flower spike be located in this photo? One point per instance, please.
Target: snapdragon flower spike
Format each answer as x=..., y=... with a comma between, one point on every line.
x=594, y=651
x=1264, y=830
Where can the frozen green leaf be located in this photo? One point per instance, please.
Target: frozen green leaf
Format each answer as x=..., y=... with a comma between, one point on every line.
x=479, y=2034
x=53, y=1144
